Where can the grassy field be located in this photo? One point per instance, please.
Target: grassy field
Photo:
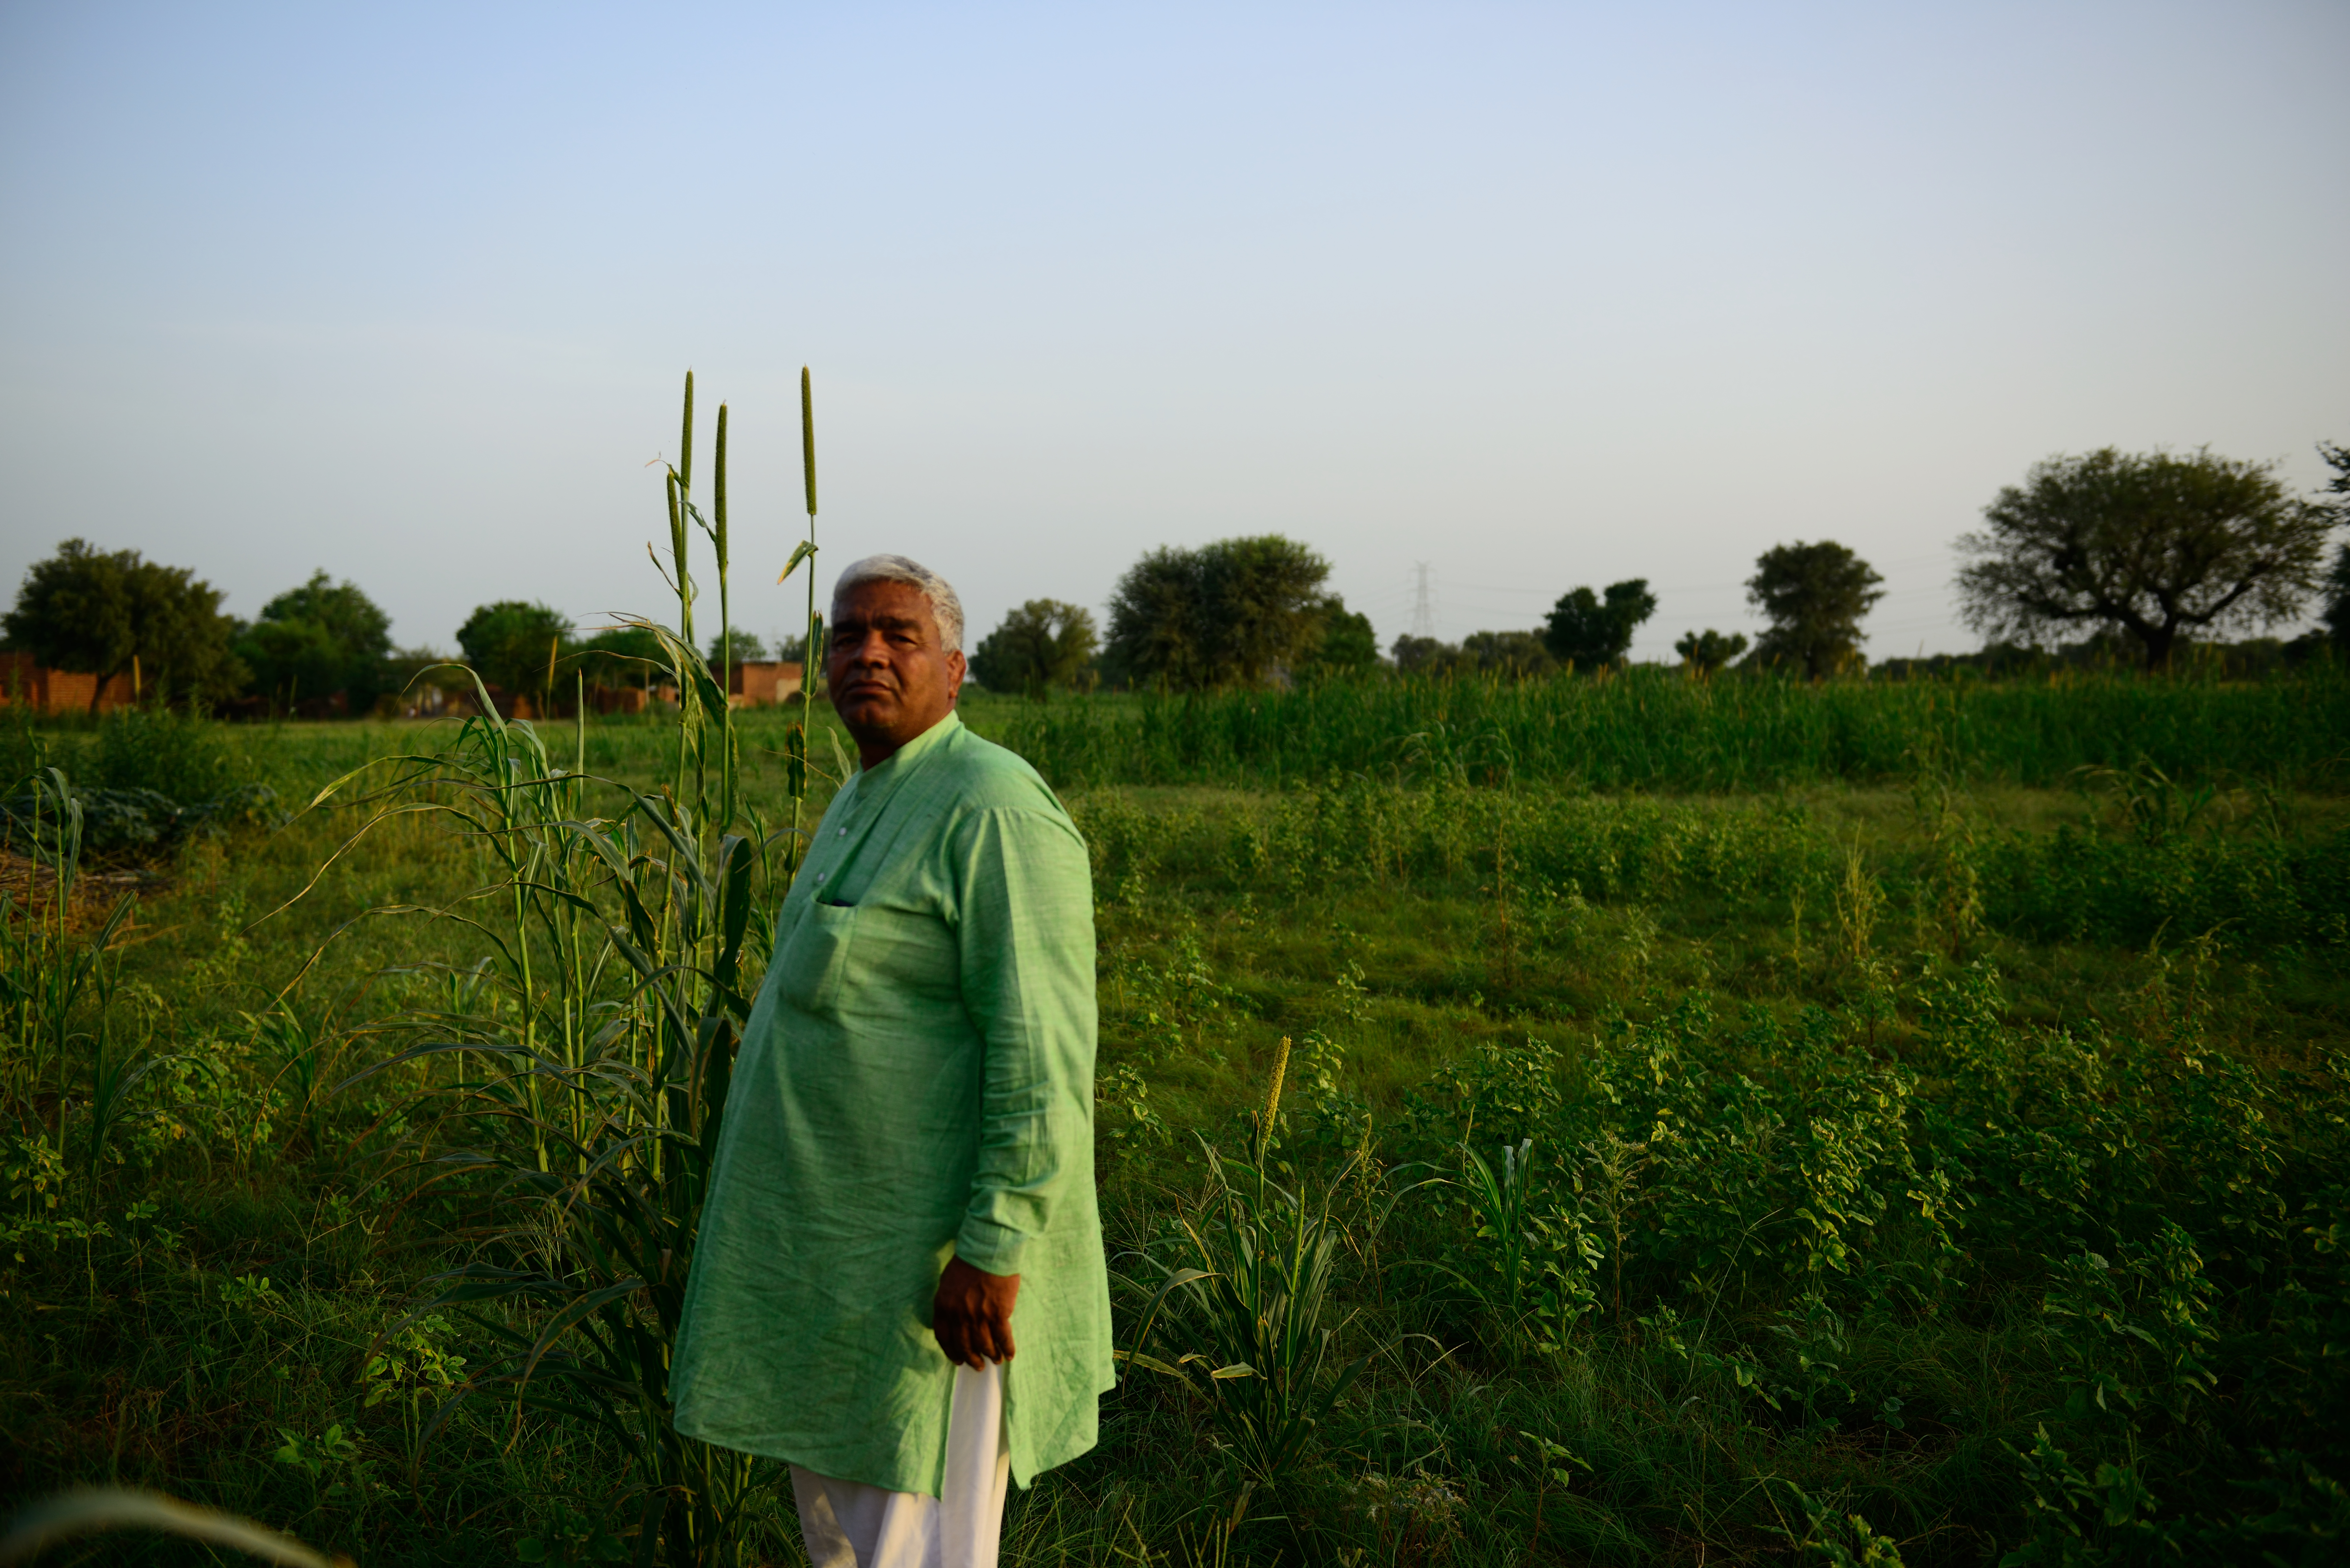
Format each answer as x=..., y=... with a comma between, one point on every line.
x=1652, y=728
x=1751, y=1123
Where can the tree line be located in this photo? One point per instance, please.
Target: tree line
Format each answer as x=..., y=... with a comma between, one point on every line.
x=2130, y=553
x=109, y=613
x=2136, y=553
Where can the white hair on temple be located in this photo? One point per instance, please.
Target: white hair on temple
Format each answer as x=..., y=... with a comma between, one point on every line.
x=944, y=605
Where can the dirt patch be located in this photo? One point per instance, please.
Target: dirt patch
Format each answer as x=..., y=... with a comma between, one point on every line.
x=29, y=889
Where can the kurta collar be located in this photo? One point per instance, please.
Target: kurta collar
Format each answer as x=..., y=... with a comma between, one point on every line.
x=912, y=752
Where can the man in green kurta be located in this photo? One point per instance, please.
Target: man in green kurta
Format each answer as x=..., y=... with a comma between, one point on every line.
x=903, y=1192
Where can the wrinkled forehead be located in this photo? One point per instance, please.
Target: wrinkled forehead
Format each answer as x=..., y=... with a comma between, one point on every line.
x=882, y=601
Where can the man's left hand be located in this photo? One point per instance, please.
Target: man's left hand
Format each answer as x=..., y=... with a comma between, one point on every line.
x=971, y=1315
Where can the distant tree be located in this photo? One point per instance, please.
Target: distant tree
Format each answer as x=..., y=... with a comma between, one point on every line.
x=320, y=639
x=1588, y=630
x=291, y=659
x=2336, y=613
x=1156, y=615
x=733, y=647
x=1708, y=650
x=512, y=644
x=1511, y=655
x=1226, y=614
x=2155, y=546
x=620, y=656
x=747, y=649
x=1814, y=596
x=2337, y=458
x=407, y=671
x=1043, y=644
x=95, y=613
x=1349, y=646
x=1424, y=655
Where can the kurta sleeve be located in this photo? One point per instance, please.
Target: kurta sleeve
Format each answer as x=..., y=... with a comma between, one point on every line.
x=1026, y=934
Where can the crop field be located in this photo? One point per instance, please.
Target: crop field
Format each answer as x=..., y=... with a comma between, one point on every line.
x=1618, y=1122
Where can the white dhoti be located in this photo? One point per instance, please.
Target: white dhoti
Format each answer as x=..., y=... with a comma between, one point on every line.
x=848, y=1524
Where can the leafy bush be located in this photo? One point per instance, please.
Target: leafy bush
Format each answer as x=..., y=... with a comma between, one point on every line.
x=146, y=780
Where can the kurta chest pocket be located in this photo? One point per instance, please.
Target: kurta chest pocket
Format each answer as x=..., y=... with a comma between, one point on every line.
x=817, y=959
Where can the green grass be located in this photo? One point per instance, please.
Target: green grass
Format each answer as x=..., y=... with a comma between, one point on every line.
x=1890, y=1108
x=1652, y=729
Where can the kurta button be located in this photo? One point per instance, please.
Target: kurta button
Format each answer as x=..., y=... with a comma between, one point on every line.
x=819, y=877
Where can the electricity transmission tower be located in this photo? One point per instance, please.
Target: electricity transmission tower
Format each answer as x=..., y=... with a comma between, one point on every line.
x=1423, y=610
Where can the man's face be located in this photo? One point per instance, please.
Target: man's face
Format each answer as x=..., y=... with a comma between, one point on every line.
x=889, y=675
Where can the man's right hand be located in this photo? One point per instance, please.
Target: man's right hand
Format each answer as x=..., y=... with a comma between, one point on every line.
x=971, y=1315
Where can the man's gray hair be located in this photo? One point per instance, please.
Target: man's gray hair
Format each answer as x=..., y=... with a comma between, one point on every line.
x=944, y=607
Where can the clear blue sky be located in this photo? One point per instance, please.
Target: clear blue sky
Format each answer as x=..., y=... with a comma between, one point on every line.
x=1538, y=295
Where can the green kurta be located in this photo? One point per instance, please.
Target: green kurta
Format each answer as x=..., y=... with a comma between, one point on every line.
x=915, y=1081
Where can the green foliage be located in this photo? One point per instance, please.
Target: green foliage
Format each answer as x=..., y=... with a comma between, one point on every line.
x=2336, y=613
x=604, y=1073
x=1590, y=632
x=1815, y=597
x=1347, y=645
x=514, y=645
x=1507, y=655
x=316, y=640
x=1841, y=1540
x=1654, y=729
x=1244, y=1309
x=1707, y=651
x=181, y=757
x=745, y=648
x=1222, y=615
x=84, y=610
x=1926, y=1173
x=1810, y=1197
x=1426, y=656
x=146, y=781
x=2151, y=545
x=1043, y=644
x=1502, y=656
x=622, y=656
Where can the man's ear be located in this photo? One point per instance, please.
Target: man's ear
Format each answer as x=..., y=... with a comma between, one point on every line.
x=955, y=667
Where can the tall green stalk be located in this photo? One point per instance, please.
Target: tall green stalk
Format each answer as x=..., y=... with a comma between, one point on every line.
x=811, y=654
x=624, y=927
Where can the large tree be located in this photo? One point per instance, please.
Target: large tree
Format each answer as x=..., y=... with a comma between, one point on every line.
x=321, y=638
x=512, y=644
x=1226, y=614
x=1043, y=644
x=1815, y=597
x=96, y=613
x=1347, y=645
x=2154, y=545
x=1590, y=630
